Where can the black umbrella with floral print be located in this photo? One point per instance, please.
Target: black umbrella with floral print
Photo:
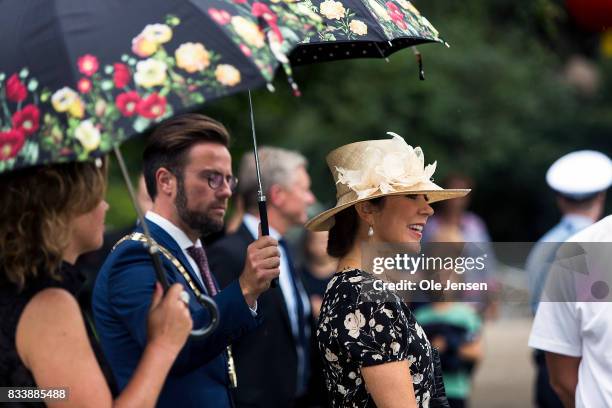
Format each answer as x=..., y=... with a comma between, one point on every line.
x=363, y=29
x=78, y=77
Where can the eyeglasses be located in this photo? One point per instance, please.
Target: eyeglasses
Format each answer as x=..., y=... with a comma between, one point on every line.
x=215, y=180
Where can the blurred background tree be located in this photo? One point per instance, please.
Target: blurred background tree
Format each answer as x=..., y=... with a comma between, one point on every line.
x=521, y=85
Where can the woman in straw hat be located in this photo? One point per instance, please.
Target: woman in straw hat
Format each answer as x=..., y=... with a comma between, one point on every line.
x=375, y=353
x=51, y=215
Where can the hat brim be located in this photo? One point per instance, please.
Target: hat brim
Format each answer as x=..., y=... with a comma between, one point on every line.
x=325, y=220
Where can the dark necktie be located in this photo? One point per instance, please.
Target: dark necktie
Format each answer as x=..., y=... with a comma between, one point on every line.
x=199, y=256
x=302, y=340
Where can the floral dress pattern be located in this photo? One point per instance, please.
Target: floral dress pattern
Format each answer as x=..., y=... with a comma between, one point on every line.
x=360, y=326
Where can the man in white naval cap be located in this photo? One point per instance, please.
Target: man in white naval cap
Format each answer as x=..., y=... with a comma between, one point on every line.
x=580, y=180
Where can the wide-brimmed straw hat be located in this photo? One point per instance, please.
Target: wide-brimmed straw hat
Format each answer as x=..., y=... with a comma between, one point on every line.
x=377, y=168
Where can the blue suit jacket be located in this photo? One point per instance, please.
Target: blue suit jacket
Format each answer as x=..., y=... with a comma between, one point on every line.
x=121, y=301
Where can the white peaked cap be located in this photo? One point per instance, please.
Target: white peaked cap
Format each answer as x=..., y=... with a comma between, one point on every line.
x=580, y=174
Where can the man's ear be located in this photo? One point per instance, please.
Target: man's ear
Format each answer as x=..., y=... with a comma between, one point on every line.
x=166, y=181
x=276, y=195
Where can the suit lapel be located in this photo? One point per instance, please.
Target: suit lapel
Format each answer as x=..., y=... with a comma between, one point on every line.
x=164, y=239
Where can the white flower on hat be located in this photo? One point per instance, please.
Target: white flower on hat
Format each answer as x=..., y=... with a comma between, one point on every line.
x=386, y=173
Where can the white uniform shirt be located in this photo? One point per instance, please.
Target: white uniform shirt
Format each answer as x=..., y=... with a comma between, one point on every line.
x=583, y=329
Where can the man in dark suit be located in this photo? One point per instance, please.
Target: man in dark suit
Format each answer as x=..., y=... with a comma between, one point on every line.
x=188, y=174
x=274, y=362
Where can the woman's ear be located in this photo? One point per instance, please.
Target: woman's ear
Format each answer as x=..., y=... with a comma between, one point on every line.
x=365, y=211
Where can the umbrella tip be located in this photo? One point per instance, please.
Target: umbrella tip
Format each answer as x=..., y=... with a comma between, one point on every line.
x=296, y=90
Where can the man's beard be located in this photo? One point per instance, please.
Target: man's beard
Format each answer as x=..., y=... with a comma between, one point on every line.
x=197, y=221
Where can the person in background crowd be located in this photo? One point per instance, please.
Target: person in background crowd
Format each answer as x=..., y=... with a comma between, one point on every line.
x=317, y=267
x=454, y=213
x=51, y=215
x=453, y=327
x=580, y=180
x=282, y=345
x=575, y=334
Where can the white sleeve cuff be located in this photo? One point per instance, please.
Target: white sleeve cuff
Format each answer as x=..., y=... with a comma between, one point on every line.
x=546, y=344
x=254, y=310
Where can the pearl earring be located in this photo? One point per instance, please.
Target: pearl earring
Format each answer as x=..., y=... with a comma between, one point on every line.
x=370, y=231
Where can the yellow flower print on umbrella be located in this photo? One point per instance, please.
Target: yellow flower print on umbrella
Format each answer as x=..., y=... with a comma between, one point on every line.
x=150, y=73
x=63, y=98
x=227, y=75
x=88, y=134
x=192, y=57
x=149, y=40
x=249, y=31
x=143, y=46
x=333, y=10
x=358, y=27
x=158, y=33
x=67, y=100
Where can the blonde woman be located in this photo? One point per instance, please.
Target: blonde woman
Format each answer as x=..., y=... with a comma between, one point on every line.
x=51, y=215
x=375, y=353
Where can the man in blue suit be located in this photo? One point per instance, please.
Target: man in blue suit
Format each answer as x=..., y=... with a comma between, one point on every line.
x=188, y=173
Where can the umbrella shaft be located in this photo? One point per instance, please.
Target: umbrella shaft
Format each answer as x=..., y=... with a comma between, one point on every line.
x=159, y=271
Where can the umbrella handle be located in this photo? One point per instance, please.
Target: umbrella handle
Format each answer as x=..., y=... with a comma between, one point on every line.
x=204, y=300
x=209, y=304
x=265, y=230
x=263, y=217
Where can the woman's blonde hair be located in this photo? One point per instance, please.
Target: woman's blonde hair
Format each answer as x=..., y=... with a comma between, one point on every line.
x=37, y=205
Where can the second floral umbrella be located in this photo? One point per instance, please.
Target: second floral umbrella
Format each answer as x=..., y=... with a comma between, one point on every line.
x=364, y=29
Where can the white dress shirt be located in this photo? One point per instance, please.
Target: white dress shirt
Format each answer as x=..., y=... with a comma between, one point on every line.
x=183, y=242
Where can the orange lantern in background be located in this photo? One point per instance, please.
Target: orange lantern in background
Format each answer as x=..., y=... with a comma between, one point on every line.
x=592, y=15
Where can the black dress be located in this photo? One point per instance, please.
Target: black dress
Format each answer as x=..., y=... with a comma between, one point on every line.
x=360, y=326
x=12, y=371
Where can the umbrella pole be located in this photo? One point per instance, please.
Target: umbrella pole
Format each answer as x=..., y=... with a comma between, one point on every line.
x=204, y=300
x=153, y=250
x=261, y=197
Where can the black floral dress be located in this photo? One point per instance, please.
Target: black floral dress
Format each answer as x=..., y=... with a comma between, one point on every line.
x=361, y=326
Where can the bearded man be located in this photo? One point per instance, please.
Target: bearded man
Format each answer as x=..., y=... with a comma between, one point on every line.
x=188, y=174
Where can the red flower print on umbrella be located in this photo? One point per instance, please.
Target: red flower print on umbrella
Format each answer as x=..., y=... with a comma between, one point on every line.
x=84, y=85
x=151, y=107
x=263, y=11
x=88, y=65
x=396, y=15
x=121, y=75
x=15, y=89
x=220, y=16
x=127, y=103
x=11, y=143
x=27, y=120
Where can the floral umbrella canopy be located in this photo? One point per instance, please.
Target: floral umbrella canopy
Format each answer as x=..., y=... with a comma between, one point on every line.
x=362, y=29
x=78, y=77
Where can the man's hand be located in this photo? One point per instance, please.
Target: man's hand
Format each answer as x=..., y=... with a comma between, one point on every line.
x=262, y=264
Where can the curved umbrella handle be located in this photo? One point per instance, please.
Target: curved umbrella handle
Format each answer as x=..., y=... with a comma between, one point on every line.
x=209, y=304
